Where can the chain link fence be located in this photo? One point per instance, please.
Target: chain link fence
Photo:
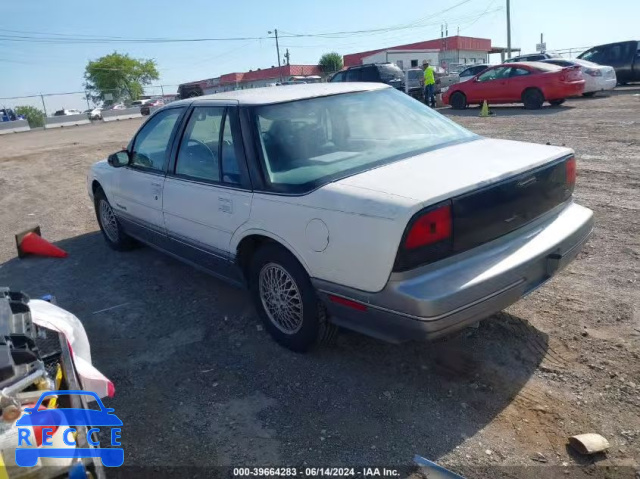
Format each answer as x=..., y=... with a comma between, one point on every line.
x=47, y=104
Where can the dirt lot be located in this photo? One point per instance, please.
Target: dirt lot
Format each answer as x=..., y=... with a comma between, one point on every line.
x=199, y=383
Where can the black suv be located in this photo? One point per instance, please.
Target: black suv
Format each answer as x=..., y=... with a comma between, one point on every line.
x=374, y=72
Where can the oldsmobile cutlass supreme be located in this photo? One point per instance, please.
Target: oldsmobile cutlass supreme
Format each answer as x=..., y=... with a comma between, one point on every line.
x=344, y=204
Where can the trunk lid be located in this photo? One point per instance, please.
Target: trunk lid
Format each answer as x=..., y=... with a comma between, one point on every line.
x=448, y=172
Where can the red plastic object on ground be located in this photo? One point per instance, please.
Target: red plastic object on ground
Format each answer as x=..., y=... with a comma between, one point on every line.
x=30, y=242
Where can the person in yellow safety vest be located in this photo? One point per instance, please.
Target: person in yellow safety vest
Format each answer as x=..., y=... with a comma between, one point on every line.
x=429, y=84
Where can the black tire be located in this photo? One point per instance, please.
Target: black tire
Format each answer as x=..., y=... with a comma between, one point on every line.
x=532, y=99
x=314, y=327
x=556, y=102
x=117, y=239
x=458, y=101
x=589, y=94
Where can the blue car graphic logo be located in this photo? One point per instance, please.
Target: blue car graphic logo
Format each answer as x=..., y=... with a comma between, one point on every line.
x=27, y=453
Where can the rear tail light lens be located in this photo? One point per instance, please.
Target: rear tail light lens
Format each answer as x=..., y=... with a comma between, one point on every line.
x=430, y=228
x=428, y=237
x=570, y=170
x=593, y=72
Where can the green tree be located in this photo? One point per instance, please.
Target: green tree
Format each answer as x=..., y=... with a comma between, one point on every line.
x=330, y=62
x=34, y=116
x=119, y=75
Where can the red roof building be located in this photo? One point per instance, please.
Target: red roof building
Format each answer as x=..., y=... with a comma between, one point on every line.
x=451, y=49
x=250, y=79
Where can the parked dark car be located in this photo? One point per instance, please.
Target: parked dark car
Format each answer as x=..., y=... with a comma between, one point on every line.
x=531, y=57
x=624, y=57
x=387, y=73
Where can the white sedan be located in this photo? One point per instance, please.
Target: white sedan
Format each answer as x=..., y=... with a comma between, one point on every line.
x=596, y=77
x=344, y=204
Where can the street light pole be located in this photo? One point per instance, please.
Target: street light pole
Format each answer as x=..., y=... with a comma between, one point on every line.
x=278, y=51
x=508, y=29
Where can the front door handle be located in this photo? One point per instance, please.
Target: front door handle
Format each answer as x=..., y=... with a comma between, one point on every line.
x=156, y=189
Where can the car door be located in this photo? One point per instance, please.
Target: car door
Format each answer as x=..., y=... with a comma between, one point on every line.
x=137, y=188
x=517, y=82
x=207, y=193
x=487, y=86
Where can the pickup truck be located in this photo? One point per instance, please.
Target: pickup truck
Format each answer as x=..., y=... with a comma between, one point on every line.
x=624, y=57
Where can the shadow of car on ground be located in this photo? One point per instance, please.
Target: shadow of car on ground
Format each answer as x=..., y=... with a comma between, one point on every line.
x=186, y=353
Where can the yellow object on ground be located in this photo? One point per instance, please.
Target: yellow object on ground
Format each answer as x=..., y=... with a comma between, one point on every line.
x=485, y=109
x=3, y=469
x=53, y=402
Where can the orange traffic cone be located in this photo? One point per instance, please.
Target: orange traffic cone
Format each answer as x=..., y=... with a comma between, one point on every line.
x=30, y=242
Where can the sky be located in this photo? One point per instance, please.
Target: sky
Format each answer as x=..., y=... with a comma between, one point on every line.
x=30, y=68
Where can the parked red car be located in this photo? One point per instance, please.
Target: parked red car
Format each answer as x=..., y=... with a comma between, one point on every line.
x=531, y=83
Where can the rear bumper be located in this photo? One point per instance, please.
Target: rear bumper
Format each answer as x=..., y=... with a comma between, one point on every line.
x=565, y=90
x=438, y=299
x=600, y=84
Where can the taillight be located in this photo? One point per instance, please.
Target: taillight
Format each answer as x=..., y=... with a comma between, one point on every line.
x=570, y=173
x=430, y=228
x=428, y=237
x=593, y=72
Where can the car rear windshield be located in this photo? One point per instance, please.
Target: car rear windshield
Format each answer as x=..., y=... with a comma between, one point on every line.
x=545, y=67
x=308, y=143
x=390, y=72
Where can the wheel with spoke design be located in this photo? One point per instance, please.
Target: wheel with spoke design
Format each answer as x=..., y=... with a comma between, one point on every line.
x=286, y=301
x=109, y=224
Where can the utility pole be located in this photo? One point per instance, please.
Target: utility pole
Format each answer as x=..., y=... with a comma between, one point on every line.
x=86, y=97
x=278, y=51
x=43, y=105
x=542, y=42
x=287, y=57
x=508, y=29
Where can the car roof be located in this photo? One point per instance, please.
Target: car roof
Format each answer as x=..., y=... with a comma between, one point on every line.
x=550, y=67
x=281, y=94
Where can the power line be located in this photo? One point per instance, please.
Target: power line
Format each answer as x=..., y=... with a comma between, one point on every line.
x=63, y=38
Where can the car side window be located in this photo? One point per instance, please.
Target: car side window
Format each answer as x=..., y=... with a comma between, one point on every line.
x=494, y=74
x=152, y=141
x=614, y=54
x=198, y=153
x=370, y=74
x=468, y=72
x=519, y=72
x=353, y=74
x=230, y=169
x=338, y=77
x=594, y=55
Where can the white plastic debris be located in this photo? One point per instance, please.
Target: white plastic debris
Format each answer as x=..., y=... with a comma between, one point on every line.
x=589, y=443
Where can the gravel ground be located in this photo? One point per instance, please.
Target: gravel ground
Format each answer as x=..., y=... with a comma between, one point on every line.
x=199, y=383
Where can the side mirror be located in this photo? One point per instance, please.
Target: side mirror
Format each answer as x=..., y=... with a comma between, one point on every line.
x=119, y=159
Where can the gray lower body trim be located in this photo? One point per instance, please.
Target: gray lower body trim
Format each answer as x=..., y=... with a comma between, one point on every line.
x=206, y=260
x=441, y=299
